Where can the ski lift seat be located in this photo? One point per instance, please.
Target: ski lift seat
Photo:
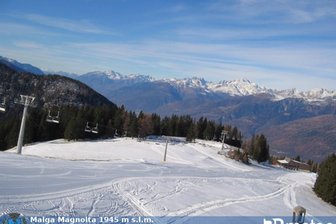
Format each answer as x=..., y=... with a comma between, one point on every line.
x=91, y=129
x=3, y=106
x=53, y=118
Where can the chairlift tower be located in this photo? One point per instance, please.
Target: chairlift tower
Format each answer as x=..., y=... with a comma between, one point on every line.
x=26, y=101
x=224, y=133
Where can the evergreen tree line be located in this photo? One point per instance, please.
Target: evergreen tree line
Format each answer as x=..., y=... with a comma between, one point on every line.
x=257, y=148
x=325, y=185
x=111, y=121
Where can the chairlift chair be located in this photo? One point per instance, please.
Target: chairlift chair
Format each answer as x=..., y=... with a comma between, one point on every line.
x=90, y=129
x=3, y=105
x=95, y=129
x=87, y=127
x=53, y=118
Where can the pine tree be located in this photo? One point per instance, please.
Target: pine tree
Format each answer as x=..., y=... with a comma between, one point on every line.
x=133, y=128
x=70, y=130
x=218, y=132
x=110, y=130
x=259, y=148
x=12, y=128
x=191, y=134
x=173, y=125
x=201, y=126
x=165, y=126
x=315, y=167
x=325, y=185
x=145, y=125
x=209, y=131
x=264, y=149
x=156, y=121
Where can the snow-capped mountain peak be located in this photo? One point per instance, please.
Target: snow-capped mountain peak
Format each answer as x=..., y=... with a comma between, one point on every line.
x=114, y=75
x=110, y=74
x=143, y=78
x=313, y=95
x=319, y=93
x=239, y=87
x=194, y=82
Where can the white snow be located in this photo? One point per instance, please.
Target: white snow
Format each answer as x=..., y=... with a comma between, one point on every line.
x=126, y=177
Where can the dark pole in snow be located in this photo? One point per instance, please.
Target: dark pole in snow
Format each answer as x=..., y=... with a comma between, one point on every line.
x=224, y=133
x=165, y=153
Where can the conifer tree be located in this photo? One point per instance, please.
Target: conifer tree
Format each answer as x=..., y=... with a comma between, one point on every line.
x=156, y=121
x=209, y=131
x=259, y=148
x=325, y=185
x=191, y=134
x=145, y=125
x=69, y=132
x=165, y=126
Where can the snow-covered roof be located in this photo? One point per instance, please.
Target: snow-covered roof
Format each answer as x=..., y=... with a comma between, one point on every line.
x=282, y=161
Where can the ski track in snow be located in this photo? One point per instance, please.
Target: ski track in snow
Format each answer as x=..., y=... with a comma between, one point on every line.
x=194, y=209
x=70, y=203
x=86, y=204
x=90, y=202
x=221, y=160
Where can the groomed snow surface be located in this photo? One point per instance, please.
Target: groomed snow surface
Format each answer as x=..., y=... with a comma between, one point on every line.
x=124, y=177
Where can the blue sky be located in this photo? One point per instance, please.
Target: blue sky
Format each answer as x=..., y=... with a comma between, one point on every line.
x=278, y=44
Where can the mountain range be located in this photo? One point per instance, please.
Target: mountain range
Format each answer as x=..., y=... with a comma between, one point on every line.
x=295, y=122
x=239, y=87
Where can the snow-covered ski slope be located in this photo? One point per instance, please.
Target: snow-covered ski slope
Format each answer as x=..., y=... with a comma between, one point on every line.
x=126, y=177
